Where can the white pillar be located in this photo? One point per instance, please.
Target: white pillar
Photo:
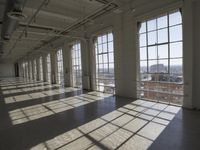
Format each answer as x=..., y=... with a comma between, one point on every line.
x=53, y=67
x=188, y=53
x=38, y=68
x=44, y=66
x=85, y=55
x=67, y=65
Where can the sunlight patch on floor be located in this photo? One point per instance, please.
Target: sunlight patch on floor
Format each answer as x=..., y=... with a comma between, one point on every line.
x=134, y=126
x=26, y=114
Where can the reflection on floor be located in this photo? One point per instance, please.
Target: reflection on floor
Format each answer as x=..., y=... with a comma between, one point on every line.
x=52, y=119
x=132, y=127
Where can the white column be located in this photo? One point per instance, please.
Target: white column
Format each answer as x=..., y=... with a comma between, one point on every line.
x=67, y=65
x=188, y=35
x=85, y=55
x=53, y=67
x=38, y=68
x=44, y=66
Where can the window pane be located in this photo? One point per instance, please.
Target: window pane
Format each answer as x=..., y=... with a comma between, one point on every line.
x=163, y=51
x=152, y=52
x=100, y=49
x=175, y=18
x=104, y=38
x=152, y=65
x=162, y=66
x=143, y=53
x=110, y=47
x=151, y=25
x=152, y=38
x=175, y=33
x=162, y=22
x=143, y=66
x=105, y=58
x=143, y=40
x=99, y=40
x=176, y=66
x=105, y=49
x=143, y=27
x=176, y=50
x=100, y=59
x=111, y=57
x=110, y=37
x=162, y=36
x=111, y=66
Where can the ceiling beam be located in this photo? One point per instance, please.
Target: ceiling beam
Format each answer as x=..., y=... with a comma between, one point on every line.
x=51, y=15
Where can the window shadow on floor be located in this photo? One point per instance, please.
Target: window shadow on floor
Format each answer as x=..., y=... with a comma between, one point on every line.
x=26, y=135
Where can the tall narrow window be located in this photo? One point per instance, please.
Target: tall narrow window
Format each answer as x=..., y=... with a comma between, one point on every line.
x=41, y=69
x=161, y=71
x=76, y=65
x=24, y=69
x=27, y=70
x=105, y=79
x=60, y=77
x=35, y=69
x=30, y=70
x=48, y=59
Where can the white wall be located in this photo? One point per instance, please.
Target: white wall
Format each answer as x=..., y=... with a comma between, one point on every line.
x=6, y=70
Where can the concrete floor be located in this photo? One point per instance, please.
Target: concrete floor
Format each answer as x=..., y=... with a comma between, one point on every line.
x=40, y=116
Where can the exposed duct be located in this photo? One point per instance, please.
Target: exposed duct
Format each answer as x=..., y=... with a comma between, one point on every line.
x=12, y=15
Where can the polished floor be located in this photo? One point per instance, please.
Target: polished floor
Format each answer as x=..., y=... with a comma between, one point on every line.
x=39, y=116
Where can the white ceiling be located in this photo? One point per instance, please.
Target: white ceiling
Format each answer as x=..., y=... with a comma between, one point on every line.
x=53, y=17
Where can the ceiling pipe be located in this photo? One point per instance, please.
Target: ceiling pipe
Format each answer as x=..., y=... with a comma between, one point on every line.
x=102, y=10
x=45, y=2
x=12, y=12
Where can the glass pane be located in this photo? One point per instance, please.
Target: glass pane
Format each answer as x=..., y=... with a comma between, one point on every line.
x=143, y=66
x=176, y=66
x=100, y=59
x=111, y=70
x=175, y=33
x=99, y=40
x=110, y=47
x=151, y=25
x=162, y=22
x=162, y=66
x=105, y=68
x=143, y=40
x=105, y=58
x=104, y=38
x=175, y=18
x=100, y=49
x=143, y=27
x=152, y=52
x=111, y=66
x=176, y=50
x=79, y=46
x=162, y=36
x=110, y=37
x=111, y=57
x=163, y=51
x=152, y=65
x=143, y=53
x=152, y=38
x=105, y=48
